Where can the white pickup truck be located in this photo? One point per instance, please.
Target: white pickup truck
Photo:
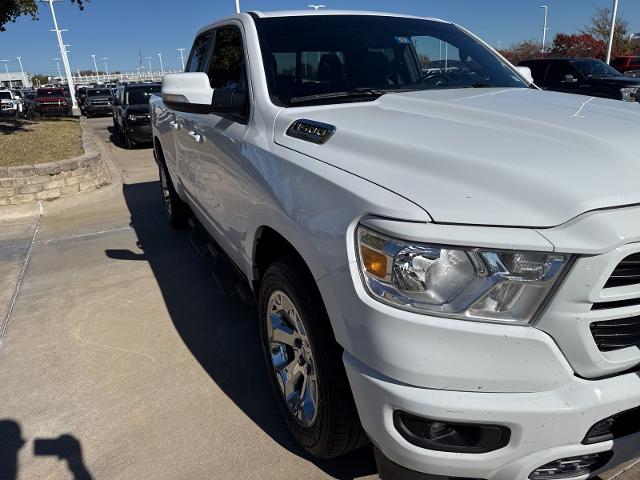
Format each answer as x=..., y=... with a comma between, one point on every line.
x=446, y=259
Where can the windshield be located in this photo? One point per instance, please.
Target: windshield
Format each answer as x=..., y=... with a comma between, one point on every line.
x=99, y=92
x=48, y=92
x=325, y=54
x=139, y=96
x=595, y=68
x=5, y=95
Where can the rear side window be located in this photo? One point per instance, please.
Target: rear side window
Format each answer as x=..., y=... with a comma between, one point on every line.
x=198, y=56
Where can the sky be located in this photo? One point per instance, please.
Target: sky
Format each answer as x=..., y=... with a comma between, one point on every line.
x=118, y=29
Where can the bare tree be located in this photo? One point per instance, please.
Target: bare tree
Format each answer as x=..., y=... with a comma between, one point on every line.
x=600, y=26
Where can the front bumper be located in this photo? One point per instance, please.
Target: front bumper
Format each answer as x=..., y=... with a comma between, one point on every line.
x=140, y=133
x=98, y=109
x=545, y=426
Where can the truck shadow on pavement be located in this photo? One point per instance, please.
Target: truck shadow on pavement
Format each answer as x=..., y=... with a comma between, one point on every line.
x=221, y=334
x=65, y=447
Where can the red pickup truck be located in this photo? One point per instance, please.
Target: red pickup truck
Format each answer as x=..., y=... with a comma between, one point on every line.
x=626, y=64
x=52, y=101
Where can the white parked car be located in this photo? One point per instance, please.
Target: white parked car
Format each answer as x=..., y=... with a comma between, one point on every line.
x=448, y=261
x=10, y=103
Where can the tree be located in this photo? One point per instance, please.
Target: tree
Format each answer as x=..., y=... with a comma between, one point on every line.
x=600, y=27
x=527, y=50
x=39, y=79
x=10, y=10
x=578, y=46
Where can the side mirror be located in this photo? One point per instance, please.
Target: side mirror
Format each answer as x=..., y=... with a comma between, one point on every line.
x=187, y=92
x=230, y=102
x=525, y=72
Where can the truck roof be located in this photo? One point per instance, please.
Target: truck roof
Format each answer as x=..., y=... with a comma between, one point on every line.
x=309, y=12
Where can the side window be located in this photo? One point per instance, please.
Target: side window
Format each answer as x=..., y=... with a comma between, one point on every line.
x=558, y=72
x=198, y=55
x=226, y=68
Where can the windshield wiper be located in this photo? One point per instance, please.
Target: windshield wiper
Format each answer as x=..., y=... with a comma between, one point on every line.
x=356, y=93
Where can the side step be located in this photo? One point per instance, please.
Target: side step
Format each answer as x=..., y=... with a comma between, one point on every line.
x=228, y=277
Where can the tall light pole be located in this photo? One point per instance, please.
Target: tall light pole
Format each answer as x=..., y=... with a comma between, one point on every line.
x=24, y=77
x=181, y=50
x=544, y=28
x=237, y=6
x=7, y=69
x=95, y=67
x=150, y=69
x=57, y=60
x=316, y=7
x=65, y=60
x=161, y=64
x=106, y=68
x=614, y=16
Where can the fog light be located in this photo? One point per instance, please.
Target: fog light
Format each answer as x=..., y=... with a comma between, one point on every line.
x=572, y=467
x=450, y=437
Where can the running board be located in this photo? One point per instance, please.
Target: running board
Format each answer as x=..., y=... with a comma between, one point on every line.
x=226, y=275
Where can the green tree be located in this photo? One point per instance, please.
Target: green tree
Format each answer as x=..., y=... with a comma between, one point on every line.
x=10, y=10
x=600, y=27
x=39, y=79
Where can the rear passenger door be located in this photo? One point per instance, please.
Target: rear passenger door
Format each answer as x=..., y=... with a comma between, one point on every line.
x=182, y=122
x=220, y=144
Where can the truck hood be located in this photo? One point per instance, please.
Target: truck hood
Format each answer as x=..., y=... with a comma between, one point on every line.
x=503, y=157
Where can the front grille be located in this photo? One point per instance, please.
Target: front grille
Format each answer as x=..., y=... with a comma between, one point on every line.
x=626, y=273
x=617, y=334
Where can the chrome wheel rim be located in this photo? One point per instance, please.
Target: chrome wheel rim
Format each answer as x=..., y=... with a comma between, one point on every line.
x=292, y=358
x=166, y=193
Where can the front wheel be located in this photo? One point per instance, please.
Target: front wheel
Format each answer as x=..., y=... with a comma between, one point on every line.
x=304, y=363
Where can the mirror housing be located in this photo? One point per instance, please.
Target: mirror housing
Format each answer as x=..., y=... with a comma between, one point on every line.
x=229, y=102
x=187, y=92
x=525, y=72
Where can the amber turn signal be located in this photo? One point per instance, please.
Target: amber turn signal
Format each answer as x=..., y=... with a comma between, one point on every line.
x=374, y=262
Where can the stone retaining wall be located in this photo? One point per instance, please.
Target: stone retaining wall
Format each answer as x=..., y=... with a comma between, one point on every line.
x=48, y=181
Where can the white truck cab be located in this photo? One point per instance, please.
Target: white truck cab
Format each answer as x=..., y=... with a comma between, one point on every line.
x=10, y=103
x=446, y=259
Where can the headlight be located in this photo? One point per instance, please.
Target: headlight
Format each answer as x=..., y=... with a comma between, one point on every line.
x=464, y=283
x=629, y=94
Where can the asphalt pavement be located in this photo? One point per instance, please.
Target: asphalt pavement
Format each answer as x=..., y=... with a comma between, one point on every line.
x=119, y=357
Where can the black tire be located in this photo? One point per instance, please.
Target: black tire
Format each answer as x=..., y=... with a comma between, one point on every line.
x=178, y=212
x=88, y=114
x=336, y=429
x=128, y=143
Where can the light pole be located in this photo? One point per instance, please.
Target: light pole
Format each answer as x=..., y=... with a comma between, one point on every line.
x=161, y=64
x=65, y=60
x=7, y=69
x=181, y=50
x=24, y=77
x=95, y=68
x=237, y=6
x=544, y=28
x=150, y=69
x=614, y=16
x=57, y=60
x=316, y=7
x=106, y=68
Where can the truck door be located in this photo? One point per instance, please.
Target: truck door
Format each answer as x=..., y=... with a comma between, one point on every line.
x=219, y=140
x=185, y=147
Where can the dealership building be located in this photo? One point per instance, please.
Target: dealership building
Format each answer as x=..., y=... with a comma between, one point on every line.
x=15, y=80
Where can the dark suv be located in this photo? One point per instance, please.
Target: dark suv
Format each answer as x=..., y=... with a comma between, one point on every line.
x=584, y=77
x=98, y=102
x=131, y=112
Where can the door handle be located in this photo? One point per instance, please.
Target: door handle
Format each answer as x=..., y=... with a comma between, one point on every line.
x=196, y=136
x=174, y=124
